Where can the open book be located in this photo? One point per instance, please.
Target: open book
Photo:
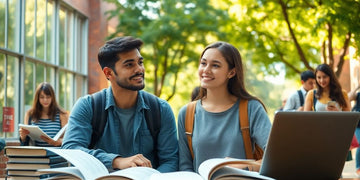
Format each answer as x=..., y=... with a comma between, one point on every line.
x=36, y=132
x=86, y=166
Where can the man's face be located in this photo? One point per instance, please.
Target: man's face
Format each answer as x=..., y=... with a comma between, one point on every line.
x=309, y=84
x=129, y=71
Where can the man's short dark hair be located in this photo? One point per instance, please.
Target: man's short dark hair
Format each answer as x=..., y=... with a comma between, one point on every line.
x=307, y=75
x=108, y=54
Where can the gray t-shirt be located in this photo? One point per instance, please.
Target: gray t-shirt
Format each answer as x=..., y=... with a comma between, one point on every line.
x=218, y=135
x=126, y=125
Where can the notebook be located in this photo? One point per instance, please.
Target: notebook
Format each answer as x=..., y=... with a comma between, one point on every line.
x=308, y=145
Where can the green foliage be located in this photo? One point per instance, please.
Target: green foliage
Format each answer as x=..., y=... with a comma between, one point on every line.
x=263, y=30
x=171, y=30
x=267, y=33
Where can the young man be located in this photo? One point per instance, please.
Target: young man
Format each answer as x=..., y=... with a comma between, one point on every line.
x=296, y=101
x=126, y=140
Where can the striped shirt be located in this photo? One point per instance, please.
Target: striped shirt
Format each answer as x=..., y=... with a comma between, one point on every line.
x=51, y=128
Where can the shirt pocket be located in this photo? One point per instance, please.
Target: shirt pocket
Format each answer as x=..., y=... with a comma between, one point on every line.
x=146, y=142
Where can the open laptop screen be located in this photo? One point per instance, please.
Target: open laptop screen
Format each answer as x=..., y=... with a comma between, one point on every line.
x=309, y=145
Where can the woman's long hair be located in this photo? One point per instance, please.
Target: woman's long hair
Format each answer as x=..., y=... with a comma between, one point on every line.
x=36, y=109
x=335, y=89
x=236, y=85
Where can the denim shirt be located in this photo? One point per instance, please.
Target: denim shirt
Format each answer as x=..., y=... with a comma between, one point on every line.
x=78, y=134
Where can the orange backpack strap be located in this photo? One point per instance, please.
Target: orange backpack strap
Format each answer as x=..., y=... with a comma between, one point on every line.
x=189, y=124
x=245, y=129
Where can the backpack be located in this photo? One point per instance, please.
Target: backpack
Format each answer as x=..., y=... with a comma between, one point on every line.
x=99, y=118
x=244, y=127
x=301, y=98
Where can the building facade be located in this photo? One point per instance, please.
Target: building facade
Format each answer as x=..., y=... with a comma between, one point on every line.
x=47, y=40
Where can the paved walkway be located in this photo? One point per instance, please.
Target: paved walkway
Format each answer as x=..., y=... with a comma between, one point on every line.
x=349, y=168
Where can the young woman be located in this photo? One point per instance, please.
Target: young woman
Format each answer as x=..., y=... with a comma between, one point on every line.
x=329, y=95
x=45, y=113
x=216, y=132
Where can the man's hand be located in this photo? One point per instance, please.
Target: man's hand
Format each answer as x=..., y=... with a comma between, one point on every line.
x=133, y=161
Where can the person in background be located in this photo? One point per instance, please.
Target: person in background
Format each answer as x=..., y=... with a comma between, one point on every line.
x=283, y=102
x=329, y=96
x=296, y=100
x=216, y=132
x=45, y=113
x=126, y=139
x=354, y=95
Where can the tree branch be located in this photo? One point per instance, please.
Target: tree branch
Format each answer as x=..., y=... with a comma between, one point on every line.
x=323, y=50
x=297, y=45
x=343, y=53
x=330, y=48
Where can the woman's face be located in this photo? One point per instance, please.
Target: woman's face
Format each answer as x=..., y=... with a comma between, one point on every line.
x=45, y=100
x=322, y=79
x=213, y=69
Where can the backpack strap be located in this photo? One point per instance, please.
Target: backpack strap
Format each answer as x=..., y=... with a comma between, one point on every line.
x=357, y=103
x=189, y=124
x=244, y=126
x=301, y=98
x=245, y=129
x=99, y=118
x=153, y=119
x=152, y=115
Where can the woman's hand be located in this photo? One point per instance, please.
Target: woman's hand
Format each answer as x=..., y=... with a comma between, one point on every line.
x=252, y=166
x=51, y=141
x=332, y=108
x=23, y=133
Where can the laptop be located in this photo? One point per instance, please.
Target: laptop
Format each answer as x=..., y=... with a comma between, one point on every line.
x=308, y=145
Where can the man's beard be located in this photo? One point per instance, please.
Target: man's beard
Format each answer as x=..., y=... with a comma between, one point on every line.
x=131, y=87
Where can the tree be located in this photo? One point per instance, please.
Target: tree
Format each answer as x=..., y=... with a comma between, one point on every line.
x=297, y=33
x=173, y=32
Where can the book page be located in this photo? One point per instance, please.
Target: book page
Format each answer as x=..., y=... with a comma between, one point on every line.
x=227, y=172
x=35, y=132
x=179, y=175
x=208, y=167
x=88, y=165
x=134, y=173
x=60, y=133
x=67, y=170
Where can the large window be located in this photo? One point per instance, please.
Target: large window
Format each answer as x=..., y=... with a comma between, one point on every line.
x=40, y=40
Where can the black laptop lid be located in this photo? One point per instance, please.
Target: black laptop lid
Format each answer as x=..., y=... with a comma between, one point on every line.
x=309, y=145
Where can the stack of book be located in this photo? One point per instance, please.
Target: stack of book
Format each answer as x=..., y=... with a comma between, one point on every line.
x=24, y=161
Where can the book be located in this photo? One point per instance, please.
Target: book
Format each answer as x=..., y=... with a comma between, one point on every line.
x=86, y=166
x=22, y=173
x=22, y=178
x=39, y=160
x=26, y=173
x=34, y=166
x=29, y=151
x=14, y=177
x=36, y=132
